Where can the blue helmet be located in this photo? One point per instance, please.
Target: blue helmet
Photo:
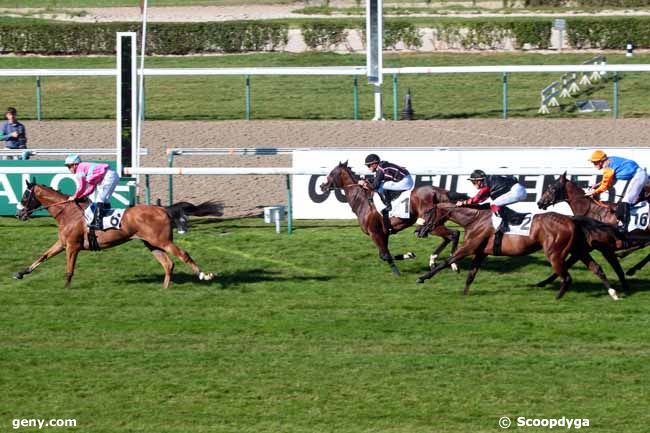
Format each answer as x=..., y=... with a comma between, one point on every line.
x=73, y=158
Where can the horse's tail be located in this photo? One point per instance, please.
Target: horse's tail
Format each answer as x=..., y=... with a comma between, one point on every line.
x=178, y=212
x=591, y=229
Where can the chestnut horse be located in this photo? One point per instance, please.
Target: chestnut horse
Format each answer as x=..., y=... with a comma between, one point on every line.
x=556, y=234
x=152, y=224
x=372, y=222
x=582, y=205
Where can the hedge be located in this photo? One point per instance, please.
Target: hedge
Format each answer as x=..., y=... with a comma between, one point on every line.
x=242, y=36
x=162, y=38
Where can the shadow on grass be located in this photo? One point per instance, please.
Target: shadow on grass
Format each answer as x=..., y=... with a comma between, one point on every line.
x=228, y=279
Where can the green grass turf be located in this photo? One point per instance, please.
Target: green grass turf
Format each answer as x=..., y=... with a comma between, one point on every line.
x=310, y=333
x=291, y=97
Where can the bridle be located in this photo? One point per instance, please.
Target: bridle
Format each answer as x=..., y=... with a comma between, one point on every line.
x=32, y=197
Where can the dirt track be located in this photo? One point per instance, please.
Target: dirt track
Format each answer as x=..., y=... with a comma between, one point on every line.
x=245, y=194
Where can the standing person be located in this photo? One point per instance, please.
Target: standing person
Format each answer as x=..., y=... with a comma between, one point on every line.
x=13, y=132
x=503, y=190
x=616, y=168
x=390, y=180
x=90, y=176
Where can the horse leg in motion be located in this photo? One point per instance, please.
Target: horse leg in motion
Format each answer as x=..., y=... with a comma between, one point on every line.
x=171, y=248
x=165, y=261
x=557, y=261
x=72, y=251
x=447, y=235
x=638, y=266
x=479, y=257
x=381, y=240
x=465, y=250
x=51, y=252
x=596, y=269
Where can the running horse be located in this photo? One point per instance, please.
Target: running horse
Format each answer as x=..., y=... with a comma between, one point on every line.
x=564, y=189
x=152, y=224
x=557, y=235
x=372, y=223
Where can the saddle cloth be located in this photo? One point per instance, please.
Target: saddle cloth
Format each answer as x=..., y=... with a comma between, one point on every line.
x=639, y=216
x=112, y=217
x=401, y=205
x=522, y=229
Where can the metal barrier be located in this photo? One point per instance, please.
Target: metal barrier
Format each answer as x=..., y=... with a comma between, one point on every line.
x=28, y=153
x=549, y=99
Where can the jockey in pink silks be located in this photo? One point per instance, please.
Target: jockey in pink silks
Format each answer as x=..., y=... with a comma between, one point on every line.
x=90, y=176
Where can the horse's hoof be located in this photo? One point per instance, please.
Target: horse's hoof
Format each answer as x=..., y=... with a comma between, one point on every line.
x=419, y=281
x=454, y=267
x=206, y=277
x=613, y=294
x=18, y=276
x=432, y=260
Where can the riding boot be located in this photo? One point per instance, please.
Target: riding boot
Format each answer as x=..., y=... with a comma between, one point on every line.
x=97, y=222
x=623, y=215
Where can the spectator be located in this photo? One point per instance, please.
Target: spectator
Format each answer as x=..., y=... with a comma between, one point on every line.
x=13, y=132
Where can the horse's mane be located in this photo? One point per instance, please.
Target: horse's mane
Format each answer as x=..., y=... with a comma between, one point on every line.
x=50, y=189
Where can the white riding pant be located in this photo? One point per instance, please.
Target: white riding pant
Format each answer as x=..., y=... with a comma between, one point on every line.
x=106, y=187
x=516, y=193
x=635, y=186
x=403, y=185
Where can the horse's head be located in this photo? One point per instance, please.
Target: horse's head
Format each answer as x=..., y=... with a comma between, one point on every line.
x=339, y=177
x=29, y=202
x=554, y=194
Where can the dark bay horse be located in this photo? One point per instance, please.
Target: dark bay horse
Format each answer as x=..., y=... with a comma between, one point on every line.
x=152, y=224
x=371, y=221
x=554, y=233
x=564, y=189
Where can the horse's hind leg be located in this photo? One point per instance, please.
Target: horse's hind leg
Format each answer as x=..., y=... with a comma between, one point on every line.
x=51, y=252
x=164, y=260
x=638, y=266
x=557, y=261
x=610, y=256
x=171, y=248
x=476, y=265
x=596, y=269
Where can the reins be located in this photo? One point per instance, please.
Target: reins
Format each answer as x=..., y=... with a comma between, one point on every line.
x=48, y=206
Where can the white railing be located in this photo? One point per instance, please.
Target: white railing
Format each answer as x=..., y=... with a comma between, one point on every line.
x=64, y=152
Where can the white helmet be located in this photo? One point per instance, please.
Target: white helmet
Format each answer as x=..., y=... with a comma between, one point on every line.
x=73, y=158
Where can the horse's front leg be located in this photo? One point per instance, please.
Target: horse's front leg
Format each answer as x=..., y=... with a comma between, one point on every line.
x=51, y=252
x=638, y=266
x=381, y=240
x=71, y=254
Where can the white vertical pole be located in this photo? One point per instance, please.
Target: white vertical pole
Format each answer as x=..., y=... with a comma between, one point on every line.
x=374, y=47
x=136, y=155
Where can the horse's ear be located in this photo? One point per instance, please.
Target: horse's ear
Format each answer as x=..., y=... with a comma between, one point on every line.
x=29, y=185
x=562, y=178
x=345, y=164
x=33, y=180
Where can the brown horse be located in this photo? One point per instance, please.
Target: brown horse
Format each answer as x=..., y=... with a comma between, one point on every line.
x=556, y=234
x=564, y=189
x=152, y=224
x=371, y=221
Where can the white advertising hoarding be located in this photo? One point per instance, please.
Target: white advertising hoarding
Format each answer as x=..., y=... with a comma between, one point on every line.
x=449, y=168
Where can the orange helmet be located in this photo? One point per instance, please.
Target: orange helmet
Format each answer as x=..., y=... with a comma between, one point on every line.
x=598, y=156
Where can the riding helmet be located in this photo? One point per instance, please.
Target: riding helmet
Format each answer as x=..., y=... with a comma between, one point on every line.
x=73, y=158
x=477, y=175
x=598, y=156
x=372, y=158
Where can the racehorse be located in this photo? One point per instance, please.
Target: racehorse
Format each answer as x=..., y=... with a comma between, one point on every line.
x=372, y=223
x=556, y=234
x=564, y=189
x=152, y=224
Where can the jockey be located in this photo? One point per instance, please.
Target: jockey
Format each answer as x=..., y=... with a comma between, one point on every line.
x=503, y=190
x=617, y=168
x=388, y=178
x=88, y=177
